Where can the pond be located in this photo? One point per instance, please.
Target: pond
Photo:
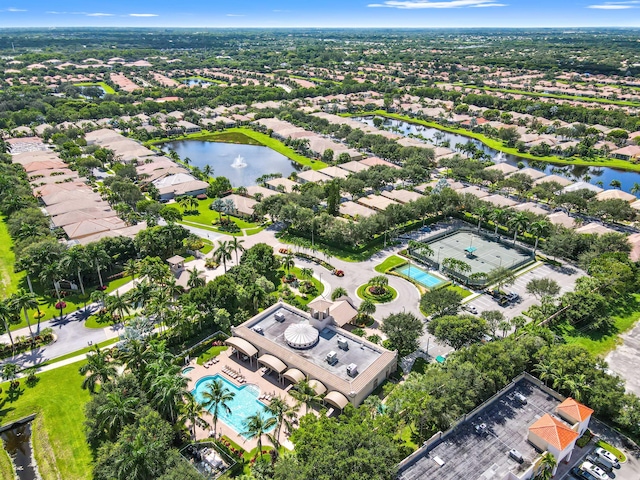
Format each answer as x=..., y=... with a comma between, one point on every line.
x=191, y=81
x=241, y=164
x=16, y=440
x=593, y=175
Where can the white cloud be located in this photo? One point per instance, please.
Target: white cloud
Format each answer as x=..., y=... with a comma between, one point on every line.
x=615, y=5
x=143, y=15
x=15, y=10
x=420, y=4
x=98, y=14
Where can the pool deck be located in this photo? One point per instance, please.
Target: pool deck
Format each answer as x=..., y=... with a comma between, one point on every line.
x=256, y=376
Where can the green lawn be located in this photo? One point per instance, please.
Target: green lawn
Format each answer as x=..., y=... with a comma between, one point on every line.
x=607, y=446
x=74, y=302
x=498, y=145
x=6, y=467
x=58, y=398
x=319, y=286
x=601, y=342
x=206, y=217
x=462, y=291
x=209, y=354
x=389, y=263
x=9, y=280
x=363, y=294
x=107, y=89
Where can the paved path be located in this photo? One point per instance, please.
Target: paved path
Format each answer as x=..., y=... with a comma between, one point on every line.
x=624, y=360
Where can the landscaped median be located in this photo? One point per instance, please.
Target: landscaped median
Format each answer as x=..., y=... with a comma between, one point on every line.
x=377, y=290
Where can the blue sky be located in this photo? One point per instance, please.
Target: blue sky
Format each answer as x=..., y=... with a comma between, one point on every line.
x=322, y=13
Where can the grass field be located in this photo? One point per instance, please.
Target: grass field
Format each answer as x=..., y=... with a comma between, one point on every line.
x=462, y=291
x=601, y=342
x=58, y=399
x=390, y=263
x=319, y=286
x=9, y=280
x=498, y=145
x=107, y=89
x=205, y=217
x=6, y=467
x=209, y=354
x=364, y=295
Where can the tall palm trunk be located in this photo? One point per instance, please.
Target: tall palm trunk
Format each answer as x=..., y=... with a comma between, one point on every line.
x=29, y=283
x=99, y=274
x=6, y=327
x=26, y=317
x=81, y=284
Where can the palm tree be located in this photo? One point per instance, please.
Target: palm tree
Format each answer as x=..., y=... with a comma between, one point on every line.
x=306, y=273
x=116, y=412
x=635, y=189
x=6, y=312
x=167, y=392
x=544, y=371
x=518, y=222
x=288, y=262
x=538, y=229
x=373, y=404
x=284, y=415
x=482, y=212
x=25, y=301
x=195, y=280
x=216, y=397
x=615, y=184
x=222, y=253
x=75, y=260
x=367, y=307
x=97, y=369
x=380, y=282
x=141, y=294
x=339, y=292
x=576, y=384
x=304, y=393
x=256, y=426
x=546, y=467
x=498, y=216
x=51, y=273
x=192, y=412
x=118, y=305
x=131, y=268
x=99, y=296
x=101, y=260
x=236, y=245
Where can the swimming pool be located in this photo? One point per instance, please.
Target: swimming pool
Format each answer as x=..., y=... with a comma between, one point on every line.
x=244, y=404
x=421, y=276
x=186, y=370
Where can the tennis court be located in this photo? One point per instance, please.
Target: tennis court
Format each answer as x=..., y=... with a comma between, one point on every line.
x=482, y=254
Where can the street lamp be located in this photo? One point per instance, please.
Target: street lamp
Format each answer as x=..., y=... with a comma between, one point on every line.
x=438, y=260
x=498, y=256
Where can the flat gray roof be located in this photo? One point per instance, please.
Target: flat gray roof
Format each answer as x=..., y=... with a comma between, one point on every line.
x=359, y=353
x=467, y=454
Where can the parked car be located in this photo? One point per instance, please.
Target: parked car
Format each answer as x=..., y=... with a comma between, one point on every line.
x=594, y=470
x=582, y=475
x=425, y=229
x=513, y=296
x=471, y=309
x=607, y=458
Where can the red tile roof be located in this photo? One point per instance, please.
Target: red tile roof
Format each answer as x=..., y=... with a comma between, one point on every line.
x=553, y=431
x=575, y=409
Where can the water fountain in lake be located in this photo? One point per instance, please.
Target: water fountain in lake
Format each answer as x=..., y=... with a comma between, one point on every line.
x=500, y=158
x=239, y=162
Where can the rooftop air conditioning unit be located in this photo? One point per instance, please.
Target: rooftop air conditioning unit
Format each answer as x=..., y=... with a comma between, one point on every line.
x=258, y=330
x=332, y=358
x=342, y=343
x=521, y=398
x=516, y=455
x=352, y=370
x=279, y=316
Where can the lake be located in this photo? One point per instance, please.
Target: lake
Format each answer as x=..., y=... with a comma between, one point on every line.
x=572, y=172
x=16, y=440
x=257, y=160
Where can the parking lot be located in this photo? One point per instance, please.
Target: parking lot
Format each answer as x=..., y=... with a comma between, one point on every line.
x=565, y=277
x=629, y=470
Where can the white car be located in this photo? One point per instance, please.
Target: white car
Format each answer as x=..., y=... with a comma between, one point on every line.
x=609, y=457
x=594, y=470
